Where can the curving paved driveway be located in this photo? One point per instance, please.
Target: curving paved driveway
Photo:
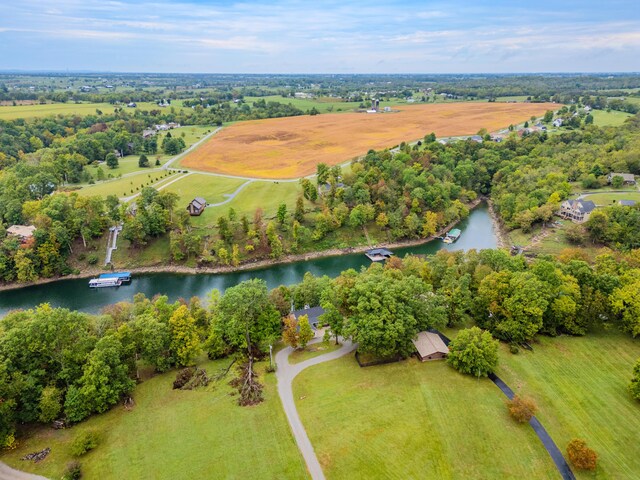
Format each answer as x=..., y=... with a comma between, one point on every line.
x=8, y=473
x=285, y=374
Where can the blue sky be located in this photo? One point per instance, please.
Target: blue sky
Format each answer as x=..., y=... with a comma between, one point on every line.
x=320, y=37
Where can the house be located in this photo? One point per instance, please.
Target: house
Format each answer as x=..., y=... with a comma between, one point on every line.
x=197, y=206
x=132, y=105
x=557, y=122
x=476, y=138
x=578, y=211
x=627, y=203
x=23, y=232
x=627, y=178
x=430, y=346
x=148, y=133
x=312, y=313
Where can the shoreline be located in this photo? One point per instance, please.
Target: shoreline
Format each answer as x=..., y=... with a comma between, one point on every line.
x=268, y=262
x=501, y=234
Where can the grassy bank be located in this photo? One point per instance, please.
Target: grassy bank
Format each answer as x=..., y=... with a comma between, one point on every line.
x=173, y=434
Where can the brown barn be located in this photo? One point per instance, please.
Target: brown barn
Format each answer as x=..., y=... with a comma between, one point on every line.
x=430, y=346
x=197, y=206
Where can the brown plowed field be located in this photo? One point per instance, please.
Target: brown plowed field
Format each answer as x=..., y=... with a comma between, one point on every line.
x=292, y=147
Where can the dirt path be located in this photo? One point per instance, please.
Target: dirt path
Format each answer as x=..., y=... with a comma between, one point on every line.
x=285, y=374
x=8, y=473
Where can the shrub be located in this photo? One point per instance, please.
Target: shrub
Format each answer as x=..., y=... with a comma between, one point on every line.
x=73, y=471
x=84, y=442
x=92, y=259
x=581, y=456
x=522, y=409
x=513, y=348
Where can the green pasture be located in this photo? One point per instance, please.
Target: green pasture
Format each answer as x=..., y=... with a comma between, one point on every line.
x=413, y=420
x=322, y=104
x=130, y=185
x=211, y=188
x=613, y=118
x=174, y=434
x=580, y=386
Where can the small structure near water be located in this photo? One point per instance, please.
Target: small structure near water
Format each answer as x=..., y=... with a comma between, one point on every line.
x=197, y=206
x=452, y=235
x=378, y=254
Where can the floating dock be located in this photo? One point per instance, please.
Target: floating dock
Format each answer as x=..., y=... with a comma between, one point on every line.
x=378, y=254
x=452, y=236
x=104, y=282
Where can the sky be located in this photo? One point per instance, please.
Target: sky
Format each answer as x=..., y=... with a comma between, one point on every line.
x=183, y=36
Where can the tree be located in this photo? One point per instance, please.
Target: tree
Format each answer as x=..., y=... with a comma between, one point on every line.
x=143, y=161
x=474, y=352
x=581, y=456
x=322, y=174
x=274, y=241
x=185, y=342
x=522, y=409
x=430, y=225
x=548, y=116
x=50, y=404
x=617, y=181
x=290, y=331
x=282, y=213
x=305, y=333
x=634, y=386
x=299, y=213
x=111, y=160
x=309, y=190
x=625, y=301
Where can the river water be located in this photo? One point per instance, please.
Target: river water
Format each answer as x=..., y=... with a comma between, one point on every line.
x=477, y=233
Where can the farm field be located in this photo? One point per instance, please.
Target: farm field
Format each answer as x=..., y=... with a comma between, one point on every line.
x=413, y=420
x=173, y=434
x=292, y=147
x=322, y=104
x=580, y=386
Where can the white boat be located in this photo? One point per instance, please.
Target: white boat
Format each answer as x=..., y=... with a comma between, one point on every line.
x=104, y=282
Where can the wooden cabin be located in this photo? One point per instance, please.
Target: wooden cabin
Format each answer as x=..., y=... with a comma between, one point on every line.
x=197, y=206
x=430, y=346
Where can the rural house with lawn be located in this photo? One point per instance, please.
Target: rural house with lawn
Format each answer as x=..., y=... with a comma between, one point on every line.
x=197, y=206
x=578, y=211
x=312, y=313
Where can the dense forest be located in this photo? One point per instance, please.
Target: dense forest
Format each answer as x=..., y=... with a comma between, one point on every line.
x=59, y=364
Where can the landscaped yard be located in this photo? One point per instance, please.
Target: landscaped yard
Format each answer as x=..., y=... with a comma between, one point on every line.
x=126, y=186
x=580, y=386
x=173, y=434
x=312, y=351
x=607, y=199
x=602, y=118
x=413, y=420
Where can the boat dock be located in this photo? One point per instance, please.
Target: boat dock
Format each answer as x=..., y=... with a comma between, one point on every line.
x=378, y=254
x=104, y=282
x=124, y=277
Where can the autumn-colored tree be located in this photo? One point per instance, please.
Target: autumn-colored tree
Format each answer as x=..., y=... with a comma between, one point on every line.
x=581, y=456
x=305, y=331
x=185, y=342
x=290, y=332
x=522, y=409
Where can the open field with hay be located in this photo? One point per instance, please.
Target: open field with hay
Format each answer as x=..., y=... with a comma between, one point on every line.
x=292, y=147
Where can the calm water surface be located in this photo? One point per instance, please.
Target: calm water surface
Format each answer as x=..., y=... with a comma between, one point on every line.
x=477, y=232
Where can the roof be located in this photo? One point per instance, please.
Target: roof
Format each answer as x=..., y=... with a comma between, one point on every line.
x=476, y=138
x=583, y=206
x=24, y=231
x=428, y=343
x=312, y=314
x=199, y=202
x=379, y=251
x=627, y=203
x=628, y=177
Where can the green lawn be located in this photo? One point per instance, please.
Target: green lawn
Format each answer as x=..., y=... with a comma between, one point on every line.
x=322, y=104
x=173, y=434
x=125, y=186
x=212, y=188
x=580, y=386
x=413, y=420
x=10, y=112
x=613, y=118
x=267, y=195
x=313, y=351
x=607, y=199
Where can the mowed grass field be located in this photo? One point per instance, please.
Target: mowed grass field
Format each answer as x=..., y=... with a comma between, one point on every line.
x=412, y=420
x=580, y=386
x=173, y=434
x=613, y=118
x=11, y=112
x=607, y=199
x=212, y=188
x=292, y=147
x=126, y=186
